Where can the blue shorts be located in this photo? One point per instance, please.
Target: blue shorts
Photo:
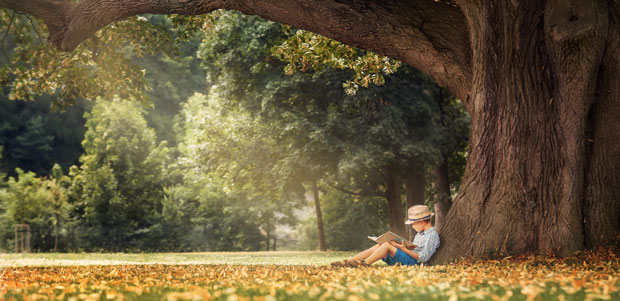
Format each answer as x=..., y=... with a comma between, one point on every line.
x=400, y=257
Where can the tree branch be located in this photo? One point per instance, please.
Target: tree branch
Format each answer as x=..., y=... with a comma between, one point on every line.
x=429, y=35
x=8, y=60
x=341, y=189
x=54, y=13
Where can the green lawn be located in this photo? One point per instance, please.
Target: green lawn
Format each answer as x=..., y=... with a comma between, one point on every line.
x=79, y=259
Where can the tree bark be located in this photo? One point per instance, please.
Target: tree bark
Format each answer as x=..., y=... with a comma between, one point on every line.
x=532, y=90
x=319, y=216
x=601, y=208
x=414, y=195
x=395, y=204
x=441, y=189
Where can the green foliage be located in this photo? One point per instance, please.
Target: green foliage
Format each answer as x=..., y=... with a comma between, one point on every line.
x=306, y=51
x=227, y=150
x=321, y=132
x=171, y=80
x=26, y=200
x=101, y=66
x=349, y=220
x=245, y=150
x=35, y=137
x=220, y=221
x=119, y=188
x=2, y=174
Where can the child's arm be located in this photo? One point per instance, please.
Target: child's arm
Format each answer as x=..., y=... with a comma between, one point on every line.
x=404, y=248
x=426, y=252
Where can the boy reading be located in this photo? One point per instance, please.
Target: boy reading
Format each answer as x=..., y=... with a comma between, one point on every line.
x=426, y=241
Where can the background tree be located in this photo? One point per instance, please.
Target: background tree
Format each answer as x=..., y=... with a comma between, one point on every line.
x=26, y=201
x=171, y=79
x=120, y=185
x=58, y=196
x=366, y=215
x=223, y=175
x=2, y=175
x=35, y=137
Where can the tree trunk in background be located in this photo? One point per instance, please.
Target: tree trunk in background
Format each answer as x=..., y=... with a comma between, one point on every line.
x=268, y=235
x=414, y=194
x=319, y=217
x=441, y=189
x=56, y=219
x=395, y=204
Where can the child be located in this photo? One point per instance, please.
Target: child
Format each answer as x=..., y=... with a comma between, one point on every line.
x=426, y=241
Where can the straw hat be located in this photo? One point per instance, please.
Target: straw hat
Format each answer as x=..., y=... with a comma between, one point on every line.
x=418, y=213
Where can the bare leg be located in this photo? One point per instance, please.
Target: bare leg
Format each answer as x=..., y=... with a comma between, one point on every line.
x=364, y=254
x=381, y=252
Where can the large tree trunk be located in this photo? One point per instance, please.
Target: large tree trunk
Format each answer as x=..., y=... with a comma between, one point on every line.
x=601, y=209
x=395, y=204
x=414, y=194
x=441, y=189
x=319, y=216
x=533, y=88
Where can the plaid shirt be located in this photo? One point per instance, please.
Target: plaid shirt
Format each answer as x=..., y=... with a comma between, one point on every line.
x=427, y=243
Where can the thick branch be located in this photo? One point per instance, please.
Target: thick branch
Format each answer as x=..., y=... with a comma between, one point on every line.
x=428, y=35
x=55, y=14
x=431, y=36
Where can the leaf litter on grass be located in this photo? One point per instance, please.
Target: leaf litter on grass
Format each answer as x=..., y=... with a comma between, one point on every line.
x=584, y=276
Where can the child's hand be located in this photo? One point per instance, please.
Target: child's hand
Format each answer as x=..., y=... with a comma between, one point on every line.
x=398, y=245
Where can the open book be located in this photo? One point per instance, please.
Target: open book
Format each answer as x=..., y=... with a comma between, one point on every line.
x=389, y=236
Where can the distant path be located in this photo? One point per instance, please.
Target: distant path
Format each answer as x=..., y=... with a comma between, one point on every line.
x=80, y=259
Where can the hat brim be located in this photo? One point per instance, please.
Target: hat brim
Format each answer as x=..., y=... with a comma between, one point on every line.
x=413, y=220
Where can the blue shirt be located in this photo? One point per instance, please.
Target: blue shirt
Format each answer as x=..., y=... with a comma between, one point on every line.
x=426, y=243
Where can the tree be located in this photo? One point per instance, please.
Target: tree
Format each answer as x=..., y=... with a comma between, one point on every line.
x=2, y=175
x=35, y=136
x=171, y=80
x=26, y=201
x=119, y=188
x=538, y=78
x=224, y=163
x=56, y=187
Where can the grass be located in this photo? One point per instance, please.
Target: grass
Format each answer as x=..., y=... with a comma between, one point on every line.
x=302, y=276
x=80, y=259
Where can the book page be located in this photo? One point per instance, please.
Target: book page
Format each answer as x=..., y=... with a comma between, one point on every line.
x=389, y=236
